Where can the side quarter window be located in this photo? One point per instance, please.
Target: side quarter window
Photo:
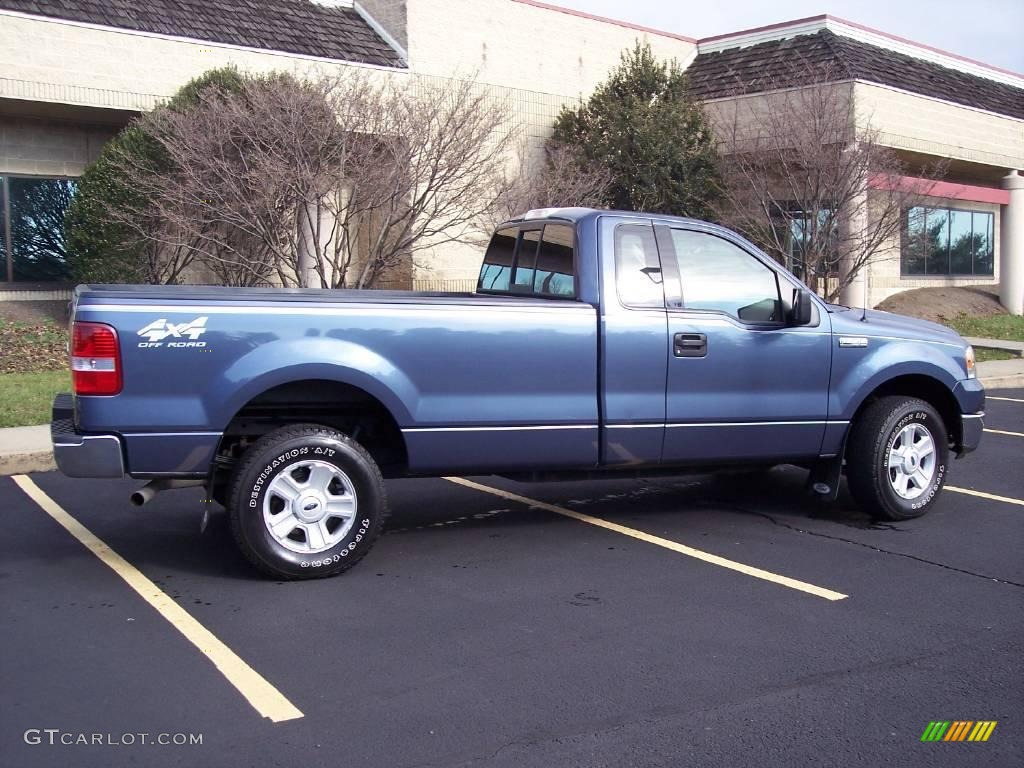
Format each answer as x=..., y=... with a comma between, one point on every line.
x=638, y=275
x=496, y=271
x=719, y=276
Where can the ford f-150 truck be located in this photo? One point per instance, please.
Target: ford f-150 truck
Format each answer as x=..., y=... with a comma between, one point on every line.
x=596, y=343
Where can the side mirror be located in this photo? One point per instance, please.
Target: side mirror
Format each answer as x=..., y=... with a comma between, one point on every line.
x=802, y=307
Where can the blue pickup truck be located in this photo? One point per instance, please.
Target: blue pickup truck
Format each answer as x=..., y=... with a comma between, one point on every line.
x=597, y=344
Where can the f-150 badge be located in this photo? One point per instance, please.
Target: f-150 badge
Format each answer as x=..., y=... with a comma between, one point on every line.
x=159, y=330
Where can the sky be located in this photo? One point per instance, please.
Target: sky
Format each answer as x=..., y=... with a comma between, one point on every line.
x=991, y=31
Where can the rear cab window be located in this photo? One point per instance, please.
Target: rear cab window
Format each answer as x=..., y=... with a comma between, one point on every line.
x=531, y=259
x=496, y=272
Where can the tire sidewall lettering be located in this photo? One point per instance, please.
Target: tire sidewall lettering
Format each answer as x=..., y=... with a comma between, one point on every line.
x=269, y=471
x=345, y=552
x=927, y=420
x=358, y=537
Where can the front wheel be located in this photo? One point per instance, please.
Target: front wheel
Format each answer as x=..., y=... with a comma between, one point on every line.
x=896, y=458
x=306, y=502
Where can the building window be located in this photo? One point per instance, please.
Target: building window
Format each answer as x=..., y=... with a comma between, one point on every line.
x=947, y=241
x=804, y=235
x=32, y=228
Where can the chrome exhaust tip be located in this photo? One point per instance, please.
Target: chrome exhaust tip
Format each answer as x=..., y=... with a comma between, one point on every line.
x=153, y=487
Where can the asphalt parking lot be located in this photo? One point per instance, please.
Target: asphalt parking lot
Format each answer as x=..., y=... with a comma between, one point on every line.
x=694, y=621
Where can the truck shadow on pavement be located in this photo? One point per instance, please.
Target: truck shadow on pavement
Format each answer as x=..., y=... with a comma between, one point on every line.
x=165, y=539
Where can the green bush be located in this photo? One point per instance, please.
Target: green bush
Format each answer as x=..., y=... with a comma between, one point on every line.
x=642, y=126
x=99, y=249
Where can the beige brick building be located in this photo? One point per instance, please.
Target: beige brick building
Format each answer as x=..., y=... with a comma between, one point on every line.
x=73, y=72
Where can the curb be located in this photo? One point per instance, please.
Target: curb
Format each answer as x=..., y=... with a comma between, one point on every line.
x=1014, y=381
x=23, y=463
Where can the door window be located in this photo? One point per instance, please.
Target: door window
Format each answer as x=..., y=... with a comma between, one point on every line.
x=638, y=276
x=721, y=277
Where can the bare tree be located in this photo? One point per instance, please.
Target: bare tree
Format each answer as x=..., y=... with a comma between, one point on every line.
x=807, y=181
x=560, y=178
x=327, y=182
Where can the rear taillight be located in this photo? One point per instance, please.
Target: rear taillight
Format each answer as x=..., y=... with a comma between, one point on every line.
x=95, y=359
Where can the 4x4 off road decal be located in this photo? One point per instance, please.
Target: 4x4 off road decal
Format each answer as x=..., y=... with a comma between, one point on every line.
x=159, y=330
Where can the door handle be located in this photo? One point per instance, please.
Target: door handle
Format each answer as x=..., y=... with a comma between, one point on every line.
x=690, y=345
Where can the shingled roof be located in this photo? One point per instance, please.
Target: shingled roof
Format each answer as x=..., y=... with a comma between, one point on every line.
x=807, y=58
x=289, y=26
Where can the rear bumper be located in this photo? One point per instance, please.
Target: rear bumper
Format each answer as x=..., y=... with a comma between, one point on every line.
x=971, y=427
x=79, y=455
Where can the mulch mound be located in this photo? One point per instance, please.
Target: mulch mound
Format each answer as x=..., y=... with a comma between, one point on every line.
x=941, y=305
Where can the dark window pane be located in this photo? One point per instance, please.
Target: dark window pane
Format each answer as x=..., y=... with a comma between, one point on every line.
x=810, y=243
x=637, y=269
x=961, y=245
x=718, y=275
x=937, y=232
x=554, y=275
x=795, y=247
x=984, y=258
x=522, y=281
x=913, y=247
x=37, y=227
x=497, y=266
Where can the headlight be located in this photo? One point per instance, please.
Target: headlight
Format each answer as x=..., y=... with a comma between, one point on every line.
x=969, y=359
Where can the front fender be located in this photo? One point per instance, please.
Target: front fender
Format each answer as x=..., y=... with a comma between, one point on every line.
x=854, y=379
x=284, y=361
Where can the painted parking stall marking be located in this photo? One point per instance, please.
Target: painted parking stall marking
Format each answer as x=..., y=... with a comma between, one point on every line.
x=263, y=696
x=983, y=495
x=1004, y=432
x=1005, y=399
x=707, y=557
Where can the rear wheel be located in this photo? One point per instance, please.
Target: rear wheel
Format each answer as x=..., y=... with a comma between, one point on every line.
x=896, y=458
x=306, y=502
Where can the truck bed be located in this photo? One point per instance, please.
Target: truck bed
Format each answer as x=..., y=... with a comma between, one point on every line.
x=471, y=381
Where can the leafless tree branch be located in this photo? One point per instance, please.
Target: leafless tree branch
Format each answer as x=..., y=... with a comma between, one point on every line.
x=560, y=178
x=327, y=182
x=808, y=179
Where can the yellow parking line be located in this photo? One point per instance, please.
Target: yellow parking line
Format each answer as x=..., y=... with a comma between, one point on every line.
x=983, y=495
x=682, y=549
x=264, y=697
x=1004, y=432
x=1007, y=399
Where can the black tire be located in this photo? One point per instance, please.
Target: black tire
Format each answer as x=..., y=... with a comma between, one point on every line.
x=868, y=451
x=296, y=449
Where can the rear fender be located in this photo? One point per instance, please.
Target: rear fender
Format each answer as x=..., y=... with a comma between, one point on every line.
x=281, y=362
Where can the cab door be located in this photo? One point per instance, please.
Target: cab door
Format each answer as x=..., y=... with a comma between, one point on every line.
x=633, y=331
x=742, y=384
